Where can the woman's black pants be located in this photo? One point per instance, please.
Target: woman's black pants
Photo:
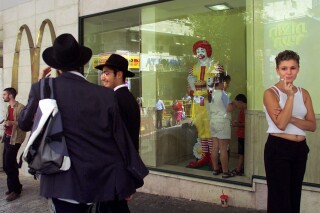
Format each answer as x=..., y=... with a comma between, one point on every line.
x=285, y=164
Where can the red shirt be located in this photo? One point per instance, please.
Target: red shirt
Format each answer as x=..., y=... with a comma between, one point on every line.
x=10, y=118
x=241, y=120
x=177, y=106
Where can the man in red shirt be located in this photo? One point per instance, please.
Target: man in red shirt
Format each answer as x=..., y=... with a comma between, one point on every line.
x=12, y=139
x=241, y=103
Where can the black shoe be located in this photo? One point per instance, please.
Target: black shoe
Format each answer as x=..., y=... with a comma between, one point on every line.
x=216, y=172
x=20, y=189
x=227, y=175
x=12, y=196
x=236, y=173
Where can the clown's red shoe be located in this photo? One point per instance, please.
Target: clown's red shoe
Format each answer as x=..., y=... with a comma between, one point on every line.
x=205, y=159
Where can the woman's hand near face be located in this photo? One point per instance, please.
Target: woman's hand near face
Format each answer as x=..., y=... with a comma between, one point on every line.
x=288, y=87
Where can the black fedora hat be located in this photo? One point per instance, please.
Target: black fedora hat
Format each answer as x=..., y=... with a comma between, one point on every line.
x=66, y=53
x=118, y=62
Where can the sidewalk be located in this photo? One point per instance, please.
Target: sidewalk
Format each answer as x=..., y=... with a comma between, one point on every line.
x=31, y=202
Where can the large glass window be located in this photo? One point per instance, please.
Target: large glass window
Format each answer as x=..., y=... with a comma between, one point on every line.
x=277, y=26
x=161, y=42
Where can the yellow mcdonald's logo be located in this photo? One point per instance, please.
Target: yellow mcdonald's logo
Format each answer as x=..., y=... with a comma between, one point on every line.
x=34, y=51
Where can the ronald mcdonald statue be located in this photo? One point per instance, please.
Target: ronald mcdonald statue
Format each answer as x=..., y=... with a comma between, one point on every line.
x=200, y=79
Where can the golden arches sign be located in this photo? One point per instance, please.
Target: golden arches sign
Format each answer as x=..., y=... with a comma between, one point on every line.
x=34, y=51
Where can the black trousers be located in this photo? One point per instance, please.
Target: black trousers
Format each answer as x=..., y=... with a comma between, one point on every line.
x=285, y=164
x=10, y=165
x=66, y=207
x=117, y=206
x=159, y=119
x=101, y=207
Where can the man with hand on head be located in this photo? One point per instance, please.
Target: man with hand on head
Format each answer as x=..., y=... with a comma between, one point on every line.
x=96, y=136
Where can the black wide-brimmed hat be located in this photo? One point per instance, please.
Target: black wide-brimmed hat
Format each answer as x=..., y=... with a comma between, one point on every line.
x=118, y=62
x=66, y=53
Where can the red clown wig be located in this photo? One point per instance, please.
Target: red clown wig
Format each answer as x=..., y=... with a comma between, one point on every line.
x=203, y=44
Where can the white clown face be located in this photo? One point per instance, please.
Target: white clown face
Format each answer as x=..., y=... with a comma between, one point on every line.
x=201, y=53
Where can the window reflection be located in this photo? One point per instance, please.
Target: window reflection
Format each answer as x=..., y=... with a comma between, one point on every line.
x=158, y=41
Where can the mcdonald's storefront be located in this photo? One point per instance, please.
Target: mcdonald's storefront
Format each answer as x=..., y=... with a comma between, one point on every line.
x=157, y=39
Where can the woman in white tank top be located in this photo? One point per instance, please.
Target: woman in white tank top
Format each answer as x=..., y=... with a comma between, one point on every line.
x=289, y=114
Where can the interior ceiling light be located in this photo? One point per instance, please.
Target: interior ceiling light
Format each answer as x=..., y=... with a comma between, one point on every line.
x=218, y=7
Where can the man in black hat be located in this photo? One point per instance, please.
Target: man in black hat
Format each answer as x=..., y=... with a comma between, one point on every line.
x=114, y=73
x=95, y=135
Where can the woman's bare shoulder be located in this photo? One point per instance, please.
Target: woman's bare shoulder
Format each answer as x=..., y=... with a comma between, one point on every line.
x=271, y=92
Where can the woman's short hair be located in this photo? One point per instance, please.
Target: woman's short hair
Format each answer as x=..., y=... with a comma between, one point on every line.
x=287, y=55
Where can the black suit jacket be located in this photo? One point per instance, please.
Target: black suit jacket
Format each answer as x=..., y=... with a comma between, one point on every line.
x=94, y=130
x=130, y=113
